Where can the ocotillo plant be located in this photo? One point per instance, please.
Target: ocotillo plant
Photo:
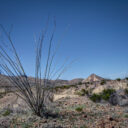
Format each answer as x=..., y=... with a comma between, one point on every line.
x=12, y=67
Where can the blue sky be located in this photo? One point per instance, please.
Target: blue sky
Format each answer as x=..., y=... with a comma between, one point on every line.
x=94, y=32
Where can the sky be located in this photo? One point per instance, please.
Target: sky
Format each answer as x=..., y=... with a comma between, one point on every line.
x=94, y=33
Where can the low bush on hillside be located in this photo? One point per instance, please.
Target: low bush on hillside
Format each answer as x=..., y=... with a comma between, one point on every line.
x=83, y=126
x=6, y=112
x=103, y=82
x=95, y=97
x=2, y=94
x=79, y=109
x=64, y=87
x=82, y=92
x=126, y=91
x=87, y=82
x=118, y=79
x=80, y=83
x=105, y=95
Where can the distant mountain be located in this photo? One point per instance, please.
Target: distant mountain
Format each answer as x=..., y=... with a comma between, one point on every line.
x=76, y=81
x=92, y=78
x=5, y=82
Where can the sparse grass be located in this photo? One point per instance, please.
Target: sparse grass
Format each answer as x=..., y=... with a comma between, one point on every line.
x=79, y=109
x=126, y=115
x=6, y=113
x=25, y=125
x=84, y=126
x=72, y=108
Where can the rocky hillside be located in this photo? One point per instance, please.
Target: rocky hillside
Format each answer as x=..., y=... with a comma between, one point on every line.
x=92, y=78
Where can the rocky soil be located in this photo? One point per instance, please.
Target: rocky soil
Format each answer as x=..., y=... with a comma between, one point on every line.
x=73, y=112
x=72, y=108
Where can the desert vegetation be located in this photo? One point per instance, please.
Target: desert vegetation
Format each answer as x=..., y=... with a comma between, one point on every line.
x=37, y=95
x=105, y=95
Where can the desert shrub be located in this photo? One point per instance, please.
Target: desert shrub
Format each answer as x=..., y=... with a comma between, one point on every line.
x=67, y=86
x=64, y=87
x=126, y=91
x=126, y=115
x=105, y=95
x=6, y=112
x=79, y=109
x=1, y=96
x=95, y=97
x=103, y=82
x=82, y=92
x=26, y=125
x=84, y=126
x=80, y=83
x=118, y=79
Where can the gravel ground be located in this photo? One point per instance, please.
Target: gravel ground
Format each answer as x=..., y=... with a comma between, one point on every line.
x=73, y=112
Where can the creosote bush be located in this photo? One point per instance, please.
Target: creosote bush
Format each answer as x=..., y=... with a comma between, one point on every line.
x=64, y=87
x=80, y=83
x=105, y=95
x=6, y=112
x=2, y=94
x=118, y=79
x=126, y=91
x=82, y=92
x=95, y=97
x=103, y=82
x=79, y=109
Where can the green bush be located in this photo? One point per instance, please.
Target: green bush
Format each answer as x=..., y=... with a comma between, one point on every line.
x=103, y=82
x=1, y=96
x=64, y=87
x=95, y=97
x=84, y=126
x=126, y=91
x=6, y=113
x=80, y=83
x=126, y=78
x=87, y=83
x=118, y=79
x=79, y=109
x=83, y=92
x=105, y=95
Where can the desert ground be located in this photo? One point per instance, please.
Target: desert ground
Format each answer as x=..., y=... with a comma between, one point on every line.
x=73, y=108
